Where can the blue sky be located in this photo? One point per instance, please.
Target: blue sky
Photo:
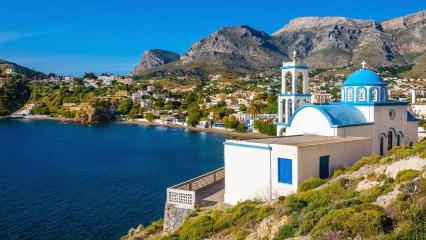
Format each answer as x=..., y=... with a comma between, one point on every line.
x=75, y=36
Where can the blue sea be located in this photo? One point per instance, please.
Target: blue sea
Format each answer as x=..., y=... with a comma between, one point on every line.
x=64, y=181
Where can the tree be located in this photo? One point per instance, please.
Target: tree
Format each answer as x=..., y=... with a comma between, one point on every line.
x=265, y=127
x=134, y=112
x=41, y=109
x=149, y=117
x=193, y=119
x=90, y=75
x=13, y=95
x=242, y=108
x=125, y=106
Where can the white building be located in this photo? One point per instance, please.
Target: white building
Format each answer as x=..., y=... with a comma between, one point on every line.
x=313, y=140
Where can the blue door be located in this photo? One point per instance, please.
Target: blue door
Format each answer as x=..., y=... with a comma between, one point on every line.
x=324, y=171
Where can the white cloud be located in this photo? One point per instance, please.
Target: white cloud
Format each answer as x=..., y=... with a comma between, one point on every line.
x=13, y=36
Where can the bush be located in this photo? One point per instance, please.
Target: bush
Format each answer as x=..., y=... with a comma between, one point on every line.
x=400, y=152
x=351, y=222
x=311, y=183
x=286, y=231
x=406, y=175
x=370, y=195
x=339, y=171
x=373, y=159
x=149, y=117
x=154, y=227
x=266, y=128
x=205, y=225
x=310, y=219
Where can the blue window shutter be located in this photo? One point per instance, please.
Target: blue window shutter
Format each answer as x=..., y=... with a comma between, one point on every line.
x=285, y=171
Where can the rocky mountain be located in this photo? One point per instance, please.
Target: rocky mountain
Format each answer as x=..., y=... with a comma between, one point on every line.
x=330, y=42
x=155, y=58
x=324, y=42
x=409, y=33
x=234, y=47
x=30, y=73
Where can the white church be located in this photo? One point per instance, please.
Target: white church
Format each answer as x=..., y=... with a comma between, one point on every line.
x=313, y=140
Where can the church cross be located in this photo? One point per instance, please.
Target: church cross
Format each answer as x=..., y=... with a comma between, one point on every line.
x=363, y=64
x=294, y=55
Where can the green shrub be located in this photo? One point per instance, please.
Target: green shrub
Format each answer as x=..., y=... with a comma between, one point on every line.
x=400, y=152
x=210, y=222
x=154, y=227
x=406, y=175
x=339, y=171
x=241, y=234
x=311, y=183
x=294, y=204
x=265, y=127
x=286, y=231
x=198, y=228
x=351, y=223
x=310, y=219
x=373, y=159
x=370, y=195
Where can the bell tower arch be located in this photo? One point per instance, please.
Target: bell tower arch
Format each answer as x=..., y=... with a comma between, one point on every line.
x=290, y=97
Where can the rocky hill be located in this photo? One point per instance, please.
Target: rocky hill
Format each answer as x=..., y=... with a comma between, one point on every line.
x=155, y=58
x=376, y=198
x=325, y=42
x=30, y=73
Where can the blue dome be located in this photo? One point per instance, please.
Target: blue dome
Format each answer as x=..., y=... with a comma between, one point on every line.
x=364, y=77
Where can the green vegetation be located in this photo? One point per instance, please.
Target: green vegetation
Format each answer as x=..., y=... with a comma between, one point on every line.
x=269, y=129
x=374, y=159
x=395, y=71
x=13, y=95
x=208, y=223
x=406, y=175
x=311, y=183
x=232, y=123
x=125, y=106
x=364, y=220
x=286, y=231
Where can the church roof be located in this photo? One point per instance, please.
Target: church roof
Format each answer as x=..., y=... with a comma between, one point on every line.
x=411, y=117
x=364, y=77
x=338, y=115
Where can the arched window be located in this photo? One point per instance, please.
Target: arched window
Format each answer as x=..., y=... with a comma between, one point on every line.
x=350, y=94
x=383, y=95
x=390, y=136
x=398, y=140
x=382, y=152
x=374, y=93
x=361, y=94
x=288, y=78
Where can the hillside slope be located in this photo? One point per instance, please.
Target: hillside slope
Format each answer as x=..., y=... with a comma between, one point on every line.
x=30, y=73
x=376, y=198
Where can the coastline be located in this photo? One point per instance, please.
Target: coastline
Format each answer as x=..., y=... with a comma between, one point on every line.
x=227, y=133
x=231, y=134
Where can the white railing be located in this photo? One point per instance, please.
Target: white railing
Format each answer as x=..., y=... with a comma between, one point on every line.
x=183, y=195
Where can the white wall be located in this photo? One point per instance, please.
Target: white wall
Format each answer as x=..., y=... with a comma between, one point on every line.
x=247, y=173
x=310, y=121
x=342, y=154
x=288, y=152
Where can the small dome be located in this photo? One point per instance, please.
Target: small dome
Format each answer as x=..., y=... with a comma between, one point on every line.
x=364, y=77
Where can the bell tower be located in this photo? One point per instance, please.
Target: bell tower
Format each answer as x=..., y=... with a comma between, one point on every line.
x=292, y=95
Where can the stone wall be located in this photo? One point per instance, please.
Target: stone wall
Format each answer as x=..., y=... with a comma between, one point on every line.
x=174, y=217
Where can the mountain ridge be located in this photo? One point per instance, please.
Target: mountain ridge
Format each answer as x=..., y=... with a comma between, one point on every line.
x=324, y=42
